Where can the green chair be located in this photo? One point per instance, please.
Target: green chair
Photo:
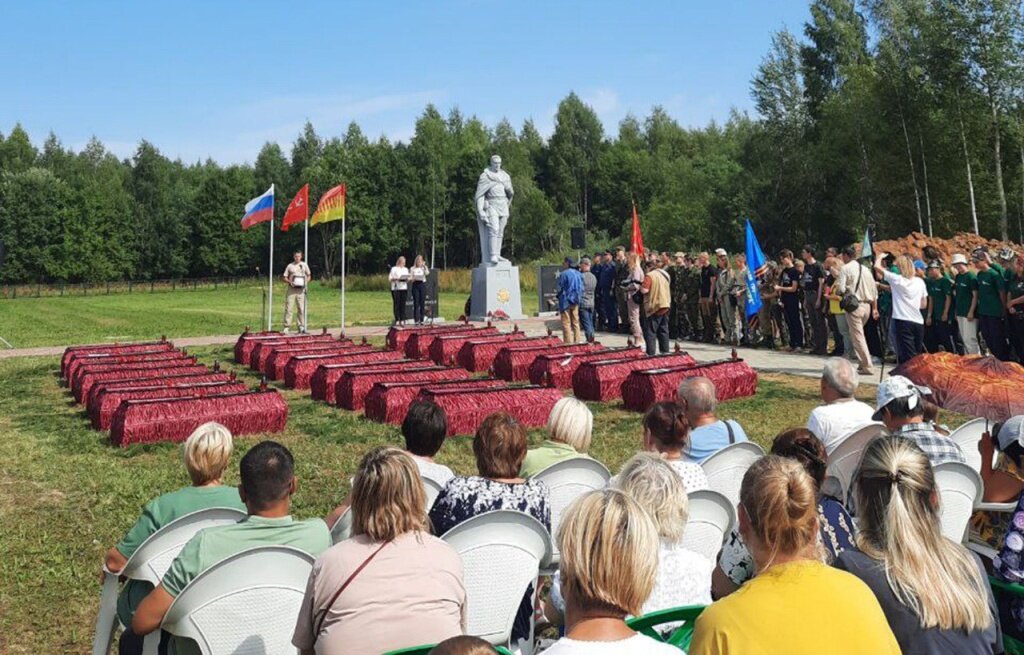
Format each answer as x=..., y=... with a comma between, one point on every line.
x=1013, y=646
x=681, y=636
x=425, y=650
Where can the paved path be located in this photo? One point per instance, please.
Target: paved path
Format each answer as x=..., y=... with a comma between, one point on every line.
x=762, y=360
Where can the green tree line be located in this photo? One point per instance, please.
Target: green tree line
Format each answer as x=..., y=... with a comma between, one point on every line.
x=893, y=115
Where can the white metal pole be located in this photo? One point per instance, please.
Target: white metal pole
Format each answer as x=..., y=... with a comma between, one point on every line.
x=270, y=273
x=343, y=222
x=305, y=289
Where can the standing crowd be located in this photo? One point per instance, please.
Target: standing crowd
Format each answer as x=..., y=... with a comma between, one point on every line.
x=861, y=308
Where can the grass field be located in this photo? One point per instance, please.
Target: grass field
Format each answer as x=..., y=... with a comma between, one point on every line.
x=67, y=496
x=51, y=321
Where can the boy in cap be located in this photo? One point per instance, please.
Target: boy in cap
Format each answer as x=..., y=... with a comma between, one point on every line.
x=990, y=305
x=965, y=290
x=938, y=327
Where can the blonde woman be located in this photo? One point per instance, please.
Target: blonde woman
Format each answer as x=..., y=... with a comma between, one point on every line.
x=206, y=454
x=609, y=548
x=635, y=282
x=569, y=428
x=418, y=276
x=909, y=297
x=934, y=592
x=398, y=278
x=394, y=572
x=796, y=604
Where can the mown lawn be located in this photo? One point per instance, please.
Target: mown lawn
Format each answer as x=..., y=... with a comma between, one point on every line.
x=49, y=321
x=66, y=495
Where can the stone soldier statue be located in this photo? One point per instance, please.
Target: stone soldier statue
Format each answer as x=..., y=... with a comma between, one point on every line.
x=493, y=202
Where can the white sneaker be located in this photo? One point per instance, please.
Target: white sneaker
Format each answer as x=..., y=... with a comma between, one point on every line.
x=287, y=331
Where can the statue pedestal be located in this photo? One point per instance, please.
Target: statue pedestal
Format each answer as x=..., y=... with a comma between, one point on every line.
x=495, y=287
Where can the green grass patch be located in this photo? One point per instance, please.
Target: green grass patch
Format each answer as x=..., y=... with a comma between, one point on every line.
x=67, y=496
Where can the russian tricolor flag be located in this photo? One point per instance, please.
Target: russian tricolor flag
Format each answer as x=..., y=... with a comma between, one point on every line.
x=259, y=210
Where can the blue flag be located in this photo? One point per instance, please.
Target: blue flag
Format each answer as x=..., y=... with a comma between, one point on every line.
x=757, y=265
x=865, y=246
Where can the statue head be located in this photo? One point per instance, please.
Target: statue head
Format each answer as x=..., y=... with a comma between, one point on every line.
x=495, y=163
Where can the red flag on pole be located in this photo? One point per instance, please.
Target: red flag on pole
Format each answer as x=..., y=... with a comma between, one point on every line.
x=638, y=239
x=298, y=209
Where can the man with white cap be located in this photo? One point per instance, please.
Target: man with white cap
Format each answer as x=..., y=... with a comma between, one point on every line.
x=899, y=406
x=1008, y=437
x=965, y=291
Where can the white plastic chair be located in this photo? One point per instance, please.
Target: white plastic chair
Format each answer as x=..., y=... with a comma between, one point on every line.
x=246, y=604
x=149, y=563
x=566, y=481
x=712, y=517
x=342, y=528
x=845, y=459
x=967, y=437
x=501, y=555
x=431, y=488
x=959, y=488
x=726, y=467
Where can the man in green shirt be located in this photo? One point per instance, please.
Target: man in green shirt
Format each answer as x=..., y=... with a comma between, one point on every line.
x=965, y=291
x=990, y=305
x=1015, y=307
x=938, y=327
x=268, y=483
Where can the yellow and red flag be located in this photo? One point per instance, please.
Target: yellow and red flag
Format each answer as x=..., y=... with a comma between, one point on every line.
x=638, y=238
x=331, y=206
x=298, y=209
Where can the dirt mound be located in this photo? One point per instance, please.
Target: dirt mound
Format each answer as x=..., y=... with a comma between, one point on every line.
x=962, y=242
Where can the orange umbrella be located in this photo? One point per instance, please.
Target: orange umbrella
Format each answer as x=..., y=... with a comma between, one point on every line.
x=973, y=385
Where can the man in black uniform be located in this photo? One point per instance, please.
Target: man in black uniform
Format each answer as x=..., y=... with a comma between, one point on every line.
x=811, y=284
x=622, y=274
x=708, y=308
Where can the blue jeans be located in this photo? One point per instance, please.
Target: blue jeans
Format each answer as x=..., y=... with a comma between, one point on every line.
x=587, y=322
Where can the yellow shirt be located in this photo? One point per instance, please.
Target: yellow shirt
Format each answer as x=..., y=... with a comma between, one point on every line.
x=796, y=608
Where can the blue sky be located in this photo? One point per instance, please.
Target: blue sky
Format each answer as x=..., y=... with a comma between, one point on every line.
x=220, y=78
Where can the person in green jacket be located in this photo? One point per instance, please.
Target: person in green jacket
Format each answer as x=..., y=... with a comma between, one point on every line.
x=990, y=307
x=939, y=315
x=207, y=453
x=569, y=428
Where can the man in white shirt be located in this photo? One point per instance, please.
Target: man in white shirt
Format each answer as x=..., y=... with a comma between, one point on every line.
x=298, y=277
x=841, y=412
x=858, y=280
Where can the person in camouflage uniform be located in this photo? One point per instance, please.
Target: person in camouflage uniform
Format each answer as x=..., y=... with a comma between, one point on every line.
x=678, y=326
x=691, y=287
x=770, y=317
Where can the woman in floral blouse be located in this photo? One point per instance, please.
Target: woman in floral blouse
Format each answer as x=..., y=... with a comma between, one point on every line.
x=735, y=564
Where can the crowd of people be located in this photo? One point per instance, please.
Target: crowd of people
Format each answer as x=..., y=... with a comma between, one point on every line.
x=864, y=309
x=802, y=572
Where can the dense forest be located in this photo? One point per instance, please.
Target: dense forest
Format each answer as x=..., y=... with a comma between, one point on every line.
x=896, y=115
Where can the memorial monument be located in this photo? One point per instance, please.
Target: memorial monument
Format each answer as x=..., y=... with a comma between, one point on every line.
x=495, y=280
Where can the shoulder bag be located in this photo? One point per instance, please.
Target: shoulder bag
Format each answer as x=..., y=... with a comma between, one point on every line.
x=850, y=302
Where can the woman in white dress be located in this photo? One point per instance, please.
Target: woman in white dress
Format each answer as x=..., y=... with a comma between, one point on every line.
x=399, y=279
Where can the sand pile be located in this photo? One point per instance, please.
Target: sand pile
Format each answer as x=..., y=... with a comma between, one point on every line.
x=962, y=242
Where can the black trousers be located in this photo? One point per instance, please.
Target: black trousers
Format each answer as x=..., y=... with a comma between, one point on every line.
x=418, y=291
x=940, y=336
x=656, y=334
x=793, y=321
x=909, y=339
x=1015, y=326
x=993, y=331
x=398, y=304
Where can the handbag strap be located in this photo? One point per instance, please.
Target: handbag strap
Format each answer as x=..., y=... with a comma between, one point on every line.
x=859, y=276
x=319, y=623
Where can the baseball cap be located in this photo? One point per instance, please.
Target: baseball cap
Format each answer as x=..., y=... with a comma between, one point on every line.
x=679, y=254
x=978, y=253
x=893, y=388
x=1009, y=432
x=584, y=260
x=720, y=252
x=959, y=259
x=918, y=264
x=570, y=261
x=935, y=264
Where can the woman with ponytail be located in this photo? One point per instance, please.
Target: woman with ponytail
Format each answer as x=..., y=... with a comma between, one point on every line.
x=934, y=592
x=796, y=604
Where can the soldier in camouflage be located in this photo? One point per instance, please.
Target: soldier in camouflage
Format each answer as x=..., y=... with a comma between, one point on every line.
x=622, y=274
x=770, y=318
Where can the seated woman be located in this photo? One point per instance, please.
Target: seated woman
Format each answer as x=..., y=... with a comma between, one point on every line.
x=569, y=426
x=736, y=565
x=667, y=432
x=499, y=447
x=609, y=548
x=796, y=604
x=392, y=585
x=934, y=592
x=207, y=453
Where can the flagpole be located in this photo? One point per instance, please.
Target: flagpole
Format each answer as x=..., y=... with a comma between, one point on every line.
x=305, y=289
x=344, y=221
x=270, y=273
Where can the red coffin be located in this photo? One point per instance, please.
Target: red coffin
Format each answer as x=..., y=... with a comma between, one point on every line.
x=351, y=389
x=417, y=345
x=479, y=354
x=444, y=347
x=162, y=379
x=260, y=351
x=173, y=419
x=557, y=369
x=102, y=411
x=466, y=409
x=513, y=361
x=88, y=375
x=602, y=380
x=322, y=384
x=733, y=378
x=388, y=402
x=279, y=357
x=398, y=336
x=110, y=349
x=300, y=369
x=78, y=361
x=248, y=340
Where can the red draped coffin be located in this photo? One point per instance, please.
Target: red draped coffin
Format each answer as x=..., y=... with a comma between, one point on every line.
x=733, y=378
x=261, y=349
x=388, y=402
x=102, y=411
x=444, y=347
x=417, y=345
x=110, y=349
x=602, y=379
x=398, y=336
x=513, y=362
x=277, y=357
x=163, y=380
x=351, y=389
x=300, y=369
x=325, y=379
x=558, y=369
x=248, y=340
x=467, y=408
x=90, y=374
x=478, y=354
